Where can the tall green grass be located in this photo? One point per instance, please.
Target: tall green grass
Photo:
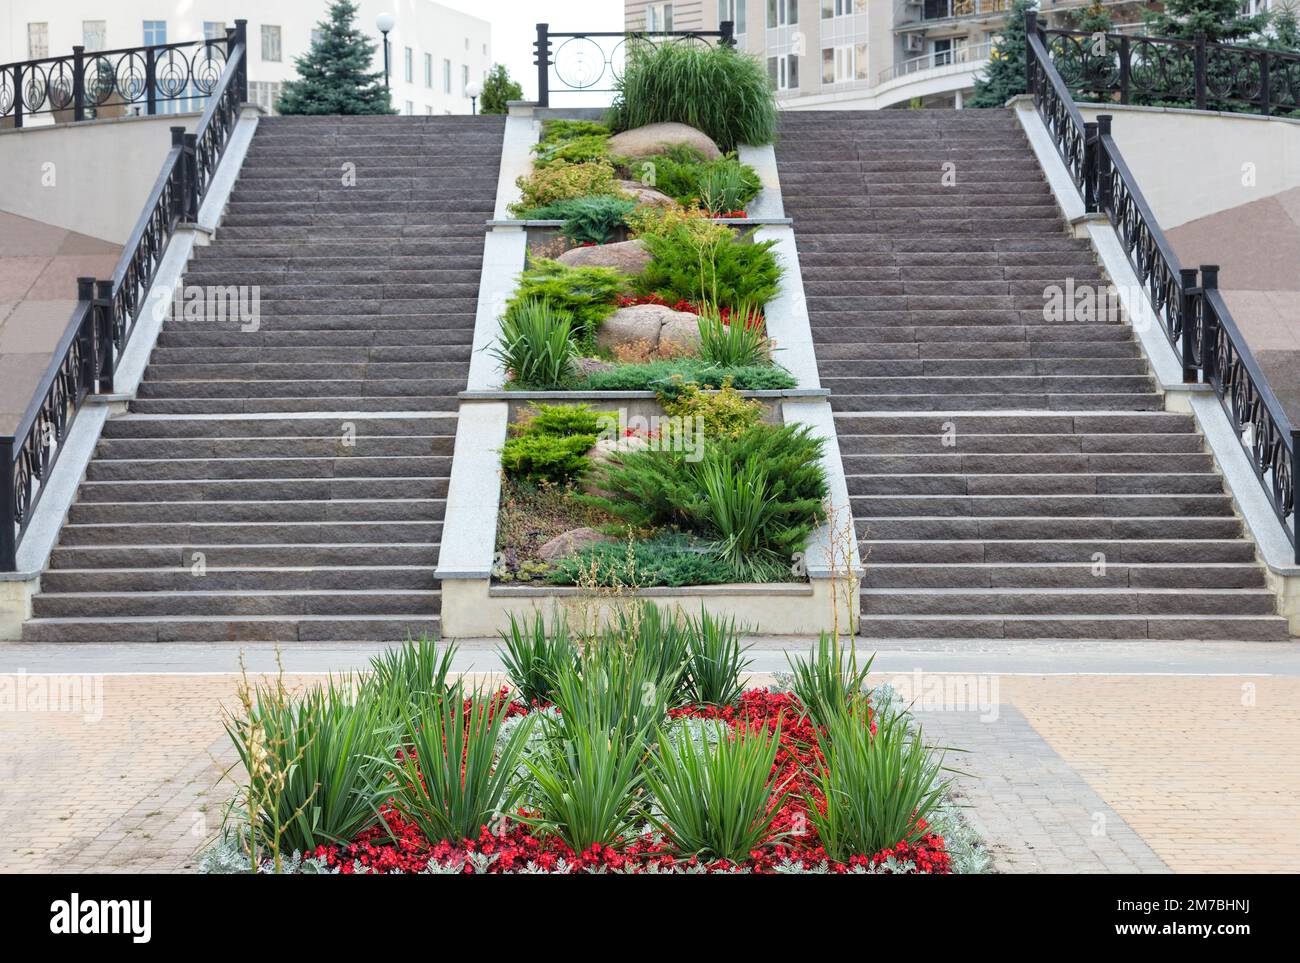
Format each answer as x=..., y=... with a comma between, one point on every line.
x=719, y=90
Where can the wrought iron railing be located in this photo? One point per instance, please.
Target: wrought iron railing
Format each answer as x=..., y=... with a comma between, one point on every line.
x=87, y=356
x=591, y=62
x=1158, y=70
x=138, y=80
x=1194, y=316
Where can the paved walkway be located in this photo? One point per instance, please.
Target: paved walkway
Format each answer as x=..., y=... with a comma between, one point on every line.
x=1143, y=758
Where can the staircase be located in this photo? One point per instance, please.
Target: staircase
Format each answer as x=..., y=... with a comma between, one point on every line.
x=1012, y=475
x=288, y=483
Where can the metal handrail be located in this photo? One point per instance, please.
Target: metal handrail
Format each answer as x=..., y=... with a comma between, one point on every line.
x=1193, y=313
x=87, y=355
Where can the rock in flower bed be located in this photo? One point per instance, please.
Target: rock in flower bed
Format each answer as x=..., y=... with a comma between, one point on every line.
x=709, y=494
x=633, y=751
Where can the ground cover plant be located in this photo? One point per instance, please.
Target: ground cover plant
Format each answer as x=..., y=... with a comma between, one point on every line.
x=632, y=749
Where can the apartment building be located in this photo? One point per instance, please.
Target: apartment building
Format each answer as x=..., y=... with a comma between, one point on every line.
x=862, y=53
x=434, y=51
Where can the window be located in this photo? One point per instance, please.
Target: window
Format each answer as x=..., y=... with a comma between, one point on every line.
x=408, y=65
x=264, y=94
x=428, y=71
x=214, y=30
x=842, y=8
x=733, y=10
x=658, y=17
x=781, y=13
x=410, y=108
x=783, y=71
x=270, y=43
x=485, y=50
x=38, y=41
x=446, y=76
x=844, y=63
x=464, y=79
x=428, y=108
x=94, y=34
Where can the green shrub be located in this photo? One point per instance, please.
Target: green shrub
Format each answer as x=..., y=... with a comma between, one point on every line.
x=315, y=765
x=587, y=149
x=586, y=220
x=533, y=655
x=829, y=682
x=458, y=776
x=877, y=788
x=684, y=174
x=552, y=445
x=670, y=377
x=719, y=90
x=716, y=661
x=722, y=412
x=667, y=560
x=755, y=532
x=715, y=798
x=560, y=131
x=740, y=344
x=536, y=346
x=562, y=181
x=731, y=272
x=588, y=294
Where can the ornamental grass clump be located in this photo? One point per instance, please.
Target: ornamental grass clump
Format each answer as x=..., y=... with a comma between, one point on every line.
x=536, y=346
x=716, y=661
x=829, y=682
x=534, y=655
x=719, y=90
x=455, y=774
x=878, y=789
x=731, y=345
x=715, y=798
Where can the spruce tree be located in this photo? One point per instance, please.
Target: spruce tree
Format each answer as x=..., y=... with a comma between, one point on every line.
x=1004, y=77
x=1093, y=19
x=498, y=91
x=1220, y=20
x=334, y=76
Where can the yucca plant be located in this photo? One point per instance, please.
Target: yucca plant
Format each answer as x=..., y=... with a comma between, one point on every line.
x=410, y=675
x=533, y=655
x=724, y=187
x=745, y=518
x=715, y=662
x=536, y=345
x=734, y=345
x=586, y=780
x=615, y=688
x=876, y=787
x=660, y=636
x=315, y=765
x=829, y=682
x=719, y=90
x=456, y=773
x=714, y=798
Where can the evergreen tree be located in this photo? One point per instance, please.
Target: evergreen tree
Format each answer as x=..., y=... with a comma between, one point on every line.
x=1220, y=20
x=1285, y=34
x=334, y=76
x=1004, y=77
x=1093, y=19
x=498, y=91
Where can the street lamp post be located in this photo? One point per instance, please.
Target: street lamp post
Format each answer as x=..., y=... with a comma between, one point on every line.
x=472, y=90
x=385, y=23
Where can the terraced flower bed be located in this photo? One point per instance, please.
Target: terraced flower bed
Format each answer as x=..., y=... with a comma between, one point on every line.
x=634, y=750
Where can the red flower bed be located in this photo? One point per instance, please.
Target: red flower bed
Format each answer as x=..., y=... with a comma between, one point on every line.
x=406, y=849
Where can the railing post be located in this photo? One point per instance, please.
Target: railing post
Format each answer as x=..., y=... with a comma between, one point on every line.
x=104, y=333
x=1105, y=188
x=1089, y=166
x=1209, y=325
x=728, y=30
x=151, y=81
x=18, y=95
x=1125, y=68
x=543, y=47
x=1031, y=28
x=1295, y=490
x=1200, y=62
x=89, y=342
x=78, y=82
x=1265, y=84
x=190, y=159
x=241, y=73
x=8, y=523
x=1188, y=292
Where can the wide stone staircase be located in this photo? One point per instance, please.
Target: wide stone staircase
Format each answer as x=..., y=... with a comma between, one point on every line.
x=1012, y=471
x=286, y=479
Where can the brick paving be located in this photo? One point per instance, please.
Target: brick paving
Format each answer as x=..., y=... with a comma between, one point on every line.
x=1065, y=773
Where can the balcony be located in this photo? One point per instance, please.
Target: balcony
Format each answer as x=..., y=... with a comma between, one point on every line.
x=955, y=9
x=960, y=60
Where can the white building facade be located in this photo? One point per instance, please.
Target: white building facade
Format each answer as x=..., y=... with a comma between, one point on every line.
x=435, y=51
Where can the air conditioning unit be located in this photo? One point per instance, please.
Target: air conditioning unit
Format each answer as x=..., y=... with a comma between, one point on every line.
x=914, y=42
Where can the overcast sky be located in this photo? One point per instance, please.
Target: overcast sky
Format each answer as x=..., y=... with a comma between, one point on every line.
x=514, y=27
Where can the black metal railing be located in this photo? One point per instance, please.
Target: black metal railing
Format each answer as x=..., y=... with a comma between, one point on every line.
x=86, y=359
x=110, y=83
x=1165, y=71
x=591, y=62
x=1192, y=312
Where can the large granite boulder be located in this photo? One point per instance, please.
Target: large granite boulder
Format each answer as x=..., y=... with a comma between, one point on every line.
x=642, y=325
x=631, y=257
x=655, y=138
x=643, y=194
